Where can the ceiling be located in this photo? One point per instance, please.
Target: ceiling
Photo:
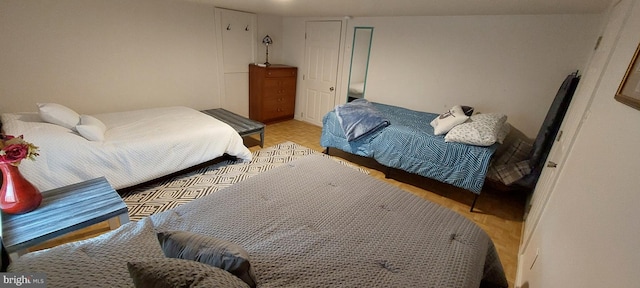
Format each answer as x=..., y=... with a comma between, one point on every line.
x=362, y=8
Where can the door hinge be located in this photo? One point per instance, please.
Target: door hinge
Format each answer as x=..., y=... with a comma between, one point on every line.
x=303, y=76
x=559, y=136
x=305, y=36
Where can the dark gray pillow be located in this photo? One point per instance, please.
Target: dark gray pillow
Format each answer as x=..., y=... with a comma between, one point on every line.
x=171, y=272
x=468, y=110
x=209, y=250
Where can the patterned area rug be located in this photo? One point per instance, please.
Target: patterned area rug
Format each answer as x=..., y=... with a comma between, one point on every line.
x=173, y=192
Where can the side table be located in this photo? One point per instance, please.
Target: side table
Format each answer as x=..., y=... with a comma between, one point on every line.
x=63, y=210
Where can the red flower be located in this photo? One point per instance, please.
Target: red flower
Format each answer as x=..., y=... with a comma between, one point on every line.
x=15, y=152
x=14, y=149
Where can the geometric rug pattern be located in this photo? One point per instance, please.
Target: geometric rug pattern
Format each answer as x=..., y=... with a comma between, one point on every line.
x=166, y=194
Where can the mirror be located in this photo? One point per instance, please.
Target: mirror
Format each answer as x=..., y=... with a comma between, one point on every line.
x=359, y=62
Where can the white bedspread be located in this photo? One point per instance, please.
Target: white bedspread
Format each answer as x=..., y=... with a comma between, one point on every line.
x=139, y=146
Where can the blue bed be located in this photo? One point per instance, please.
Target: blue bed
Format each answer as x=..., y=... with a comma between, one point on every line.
x=409, y=144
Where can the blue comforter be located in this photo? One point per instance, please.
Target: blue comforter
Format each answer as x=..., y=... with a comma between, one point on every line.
x=409, y=144
x=359, y=118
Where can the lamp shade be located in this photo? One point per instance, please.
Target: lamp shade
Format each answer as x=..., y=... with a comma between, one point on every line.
x=267, y=40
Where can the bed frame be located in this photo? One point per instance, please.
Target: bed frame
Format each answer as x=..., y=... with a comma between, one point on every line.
x=407, y=177
x=223, y=158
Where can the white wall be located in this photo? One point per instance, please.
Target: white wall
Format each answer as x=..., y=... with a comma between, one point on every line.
x=509, y=64
x=270, y=25
x=588, y=232
x=107, y=55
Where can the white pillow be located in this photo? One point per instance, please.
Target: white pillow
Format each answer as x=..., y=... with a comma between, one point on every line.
x=445, y=121
x=91, y=128
x=58, y=114
x=504, y=131
x=481, y=130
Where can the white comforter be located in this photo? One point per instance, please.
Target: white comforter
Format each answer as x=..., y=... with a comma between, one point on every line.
x=139, y=146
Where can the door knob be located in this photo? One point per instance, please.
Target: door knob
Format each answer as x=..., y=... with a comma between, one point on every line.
x=331, y=89
x=552, y=164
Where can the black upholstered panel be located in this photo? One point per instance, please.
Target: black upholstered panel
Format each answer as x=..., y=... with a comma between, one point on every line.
x=550, y=127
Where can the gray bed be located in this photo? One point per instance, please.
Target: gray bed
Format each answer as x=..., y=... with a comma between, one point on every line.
x=309, y=223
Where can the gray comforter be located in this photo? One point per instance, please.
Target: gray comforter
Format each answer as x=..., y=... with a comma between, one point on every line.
x=309, y=223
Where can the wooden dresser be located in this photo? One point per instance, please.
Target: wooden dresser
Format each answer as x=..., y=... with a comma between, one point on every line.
x=272, y=92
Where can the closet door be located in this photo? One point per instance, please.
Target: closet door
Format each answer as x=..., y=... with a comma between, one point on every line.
x=236, y=49
x=578, y=112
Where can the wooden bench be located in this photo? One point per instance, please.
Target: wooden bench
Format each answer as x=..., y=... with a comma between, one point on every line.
x=244, y=126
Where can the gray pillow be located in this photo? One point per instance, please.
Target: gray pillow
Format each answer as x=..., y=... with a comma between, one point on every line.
x=209, y=250
x=171, y=272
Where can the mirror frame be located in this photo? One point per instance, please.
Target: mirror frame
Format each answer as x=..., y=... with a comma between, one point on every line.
x=366, y=68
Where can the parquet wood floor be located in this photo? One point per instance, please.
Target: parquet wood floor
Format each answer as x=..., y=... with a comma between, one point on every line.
x=498, y=213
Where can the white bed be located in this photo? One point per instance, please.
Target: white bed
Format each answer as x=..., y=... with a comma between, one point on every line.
x=138, y=146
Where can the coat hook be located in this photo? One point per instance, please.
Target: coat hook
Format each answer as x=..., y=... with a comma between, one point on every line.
x=229, y=27
x=246, y=28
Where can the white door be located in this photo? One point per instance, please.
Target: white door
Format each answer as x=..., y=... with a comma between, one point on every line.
x=237, y=48
x=322, y=47
x=576, y=114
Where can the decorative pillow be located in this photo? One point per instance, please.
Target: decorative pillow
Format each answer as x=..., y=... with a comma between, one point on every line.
x=481, y=130
x=511, y=164
x=91, y=128
x=510, y=173
x=445, y=121
x=101, y=259
x=209, y=250
x=517, y=151
x=504, y=131
x=468, y=110
x=58, y=114
x=171, y=272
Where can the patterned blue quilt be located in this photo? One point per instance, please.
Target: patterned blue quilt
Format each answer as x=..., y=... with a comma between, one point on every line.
x=409, y=144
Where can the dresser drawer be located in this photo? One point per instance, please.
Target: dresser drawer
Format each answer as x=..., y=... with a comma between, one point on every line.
x=288, y=92
x=278, y=107
x=276, y=73
x=278, y=100
x=270, y=83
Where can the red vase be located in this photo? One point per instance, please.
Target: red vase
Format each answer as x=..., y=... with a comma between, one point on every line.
x=17, y=195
